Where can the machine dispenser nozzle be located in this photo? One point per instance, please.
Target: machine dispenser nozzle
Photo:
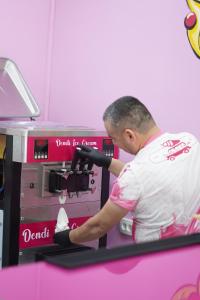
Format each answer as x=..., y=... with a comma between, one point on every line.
x=75, y=159
x=85, y=164
x=57, y=181
x=90, y=163
x=77, y=179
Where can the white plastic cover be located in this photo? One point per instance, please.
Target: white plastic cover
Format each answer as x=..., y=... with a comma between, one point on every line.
x=16, y=100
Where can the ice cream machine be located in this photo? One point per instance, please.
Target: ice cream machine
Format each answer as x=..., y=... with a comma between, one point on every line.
x=40, y=176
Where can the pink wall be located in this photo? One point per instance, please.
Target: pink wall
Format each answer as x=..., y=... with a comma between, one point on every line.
x=78, y=56
x=25, y=38
x=105, y=49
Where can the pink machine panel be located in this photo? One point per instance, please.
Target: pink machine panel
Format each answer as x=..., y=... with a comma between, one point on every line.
x=50, y=149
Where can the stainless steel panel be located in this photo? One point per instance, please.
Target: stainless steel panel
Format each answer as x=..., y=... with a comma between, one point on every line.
x=19, y=148
x=40, y=128
x=34, y=187
x=50, y=213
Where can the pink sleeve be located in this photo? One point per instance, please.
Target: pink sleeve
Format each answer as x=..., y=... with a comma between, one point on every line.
x=125, y=191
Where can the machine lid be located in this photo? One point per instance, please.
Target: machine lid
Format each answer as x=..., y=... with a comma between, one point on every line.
x=16, y=100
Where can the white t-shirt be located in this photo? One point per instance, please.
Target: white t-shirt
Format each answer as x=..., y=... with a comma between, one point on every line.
x=161, y=187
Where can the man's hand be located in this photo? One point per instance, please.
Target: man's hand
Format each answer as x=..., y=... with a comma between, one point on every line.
x=95, y=156
x=62, y=238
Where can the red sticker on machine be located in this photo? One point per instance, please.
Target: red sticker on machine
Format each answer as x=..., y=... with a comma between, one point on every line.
x=58, y=148
x=51, y=149
x=41, y=233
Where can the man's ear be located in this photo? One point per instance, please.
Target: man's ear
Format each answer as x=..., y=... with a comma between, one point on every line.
x=130, y=134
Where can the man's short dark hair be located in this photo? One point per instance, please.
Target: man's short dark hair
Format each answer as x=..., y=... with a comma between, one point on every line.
x=129, y=112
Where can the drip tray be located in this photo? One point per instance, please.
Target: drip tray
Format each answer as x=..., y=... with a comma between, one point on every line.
x=58, y=253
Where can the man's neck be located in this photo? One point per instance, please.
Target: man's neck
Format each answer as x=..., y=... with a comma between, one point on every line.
x=146, y=138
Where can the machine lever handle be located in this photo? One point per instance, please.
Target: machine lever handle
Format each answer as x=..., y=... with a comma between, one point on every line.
x=90, y=165
x=75, y=159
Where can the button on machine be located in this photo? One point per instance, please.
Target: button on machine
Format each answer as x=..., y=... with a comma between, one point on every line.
x=41, y=149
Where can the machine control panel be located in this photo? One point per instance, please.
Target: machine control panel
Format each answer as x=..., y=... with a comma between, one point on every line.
x=50, y=149
x=108, y=147
x=41, y=149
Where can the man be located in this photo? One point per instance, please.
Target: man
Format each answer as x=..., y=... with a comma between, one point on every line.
x=160, y=186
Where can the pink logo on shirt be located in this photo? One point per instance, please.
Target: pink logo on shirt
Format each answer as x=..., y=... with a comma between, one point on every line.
x=177, y=147
x=170, y=143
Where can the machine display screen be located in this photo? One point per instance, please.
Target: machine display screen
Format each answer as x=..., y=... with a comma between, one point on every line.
x=107, y=142
x=108, y=147
x=41, y=149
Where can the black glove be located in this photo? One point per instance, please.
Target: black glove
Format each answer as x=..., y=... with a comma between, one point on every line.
x=62, y=238
x=93, y=155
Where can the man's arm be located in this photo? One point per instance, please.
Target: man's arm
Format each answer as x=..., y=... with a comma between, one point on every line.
x=116, y=166
x=99, y=224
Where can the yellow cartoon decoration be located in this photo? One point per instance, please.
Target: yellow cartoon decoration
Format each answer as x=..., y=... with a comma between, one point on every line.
x=192, y=24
